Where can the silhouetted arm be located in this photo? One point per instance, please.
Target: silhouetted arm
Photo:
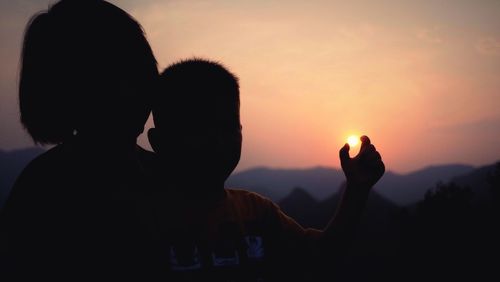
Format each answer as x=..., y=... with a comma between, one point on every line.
x=317, y=252
x=362, y=172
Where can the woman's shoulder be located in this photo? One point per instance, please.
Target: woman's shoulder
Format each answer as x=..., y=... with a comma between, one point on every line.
x=30, y=186
x=45, y=160
x=40, y=168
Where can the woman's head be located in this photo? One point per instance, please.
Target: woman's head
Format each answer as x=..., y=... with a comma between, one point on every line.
x=86, y=67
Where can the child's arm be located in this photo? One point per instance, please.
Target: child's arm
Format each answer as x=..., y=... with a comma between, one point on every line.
x=322, y=250
x=362, y=172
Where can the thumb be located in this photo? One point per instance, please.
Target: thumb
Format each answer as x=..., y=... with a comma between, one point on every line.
x=344, y=155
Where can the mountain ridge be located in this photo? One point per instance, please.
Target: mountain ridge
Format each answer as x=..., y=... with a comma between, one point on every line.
x=322, y=181
x=276, y=183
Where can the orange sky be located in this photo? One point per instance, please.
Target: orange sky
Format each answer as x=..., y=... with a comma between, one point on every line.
x=421, y=78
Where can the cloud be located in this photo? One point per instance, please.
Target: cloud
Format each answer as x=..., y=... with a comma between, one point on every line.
x=488, y=46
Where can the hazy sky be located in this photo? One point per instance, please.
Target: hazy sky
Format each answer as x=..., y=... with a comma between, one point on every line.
x=421, y=78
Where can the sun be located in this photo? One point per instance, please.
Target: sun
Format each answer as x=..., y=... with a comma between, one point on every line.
x=353, y=140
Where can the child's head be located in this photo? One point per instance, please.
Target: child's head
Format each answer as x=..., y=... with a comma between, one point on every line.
x=86, y=67
x=197, y=119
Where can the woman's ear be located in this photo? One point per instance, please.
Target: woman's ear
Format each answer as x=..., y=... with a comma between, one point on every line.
x=154, y=139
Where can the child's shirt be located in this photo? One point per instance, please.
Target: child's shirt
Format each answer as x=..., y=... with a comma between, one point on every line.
x=243, y=237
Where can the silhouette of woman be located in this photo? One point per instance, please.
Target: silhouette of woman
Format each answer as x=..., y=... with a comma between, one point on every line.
x=87, y=75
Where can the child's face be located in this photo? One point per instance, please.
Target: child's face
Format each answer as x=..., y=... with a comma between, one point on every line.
x=201, y=150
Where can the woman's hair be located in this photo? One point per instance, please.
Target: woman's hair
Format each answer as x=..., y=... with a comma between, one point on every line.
x=86, y=67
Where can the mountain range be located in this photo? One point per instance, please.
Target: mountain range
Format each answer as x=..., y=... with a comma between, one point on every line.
x=320, y=183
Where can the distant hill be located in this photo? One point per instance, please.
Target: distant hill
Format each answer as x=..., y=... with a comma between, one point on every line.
x=477, y=180
x=384, y=247
x=300, y=205
x=11, y=164
x=406, y=189
x=321, y=182
x=316, y=214
x=378, y=240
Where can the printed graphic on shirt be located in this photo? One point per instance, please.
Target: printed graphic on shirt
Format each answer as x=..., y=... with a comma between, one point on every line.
x=225, y=252
x=225, y=260
x=184, y=257
x=255, y=247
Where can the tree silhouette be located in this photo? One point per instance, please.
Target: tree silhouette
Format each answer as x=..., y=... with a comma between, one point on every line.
x=450, y=235
x=494, y=182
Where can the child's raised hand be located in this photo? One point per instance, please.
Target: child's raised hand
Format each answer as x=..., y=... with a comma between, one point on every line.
x=365, y=169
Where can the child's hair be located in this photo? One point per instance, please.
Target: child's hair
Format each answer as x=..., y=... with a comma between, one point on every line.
x=85, y=65
x=198, y=91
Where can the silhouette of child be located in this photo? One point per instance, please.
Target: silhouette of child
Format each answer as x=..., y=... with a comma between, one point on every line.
x=212, y=232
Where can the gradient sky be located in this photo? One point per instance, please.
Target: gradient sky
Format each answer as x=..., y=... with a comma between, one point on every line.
x=421, y=78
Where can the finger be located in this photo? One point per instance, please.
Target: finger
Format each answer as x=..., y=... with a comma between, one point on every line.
x=365, y=141
x=344, y=154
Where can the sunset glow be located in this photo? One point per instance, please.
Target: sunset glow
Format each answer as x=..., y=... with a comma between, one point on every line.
x=312, y=71
x=353, y=140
